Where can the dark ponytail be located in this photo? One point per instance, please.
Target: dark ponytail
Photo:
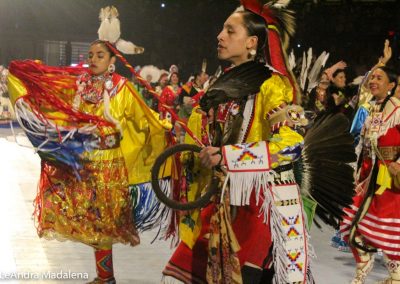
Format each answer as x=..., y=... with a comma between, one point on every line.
x=256, y=26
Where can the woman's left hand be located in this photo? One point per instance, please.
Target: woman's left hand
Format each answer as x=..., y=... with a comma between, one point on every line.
x=394, y=168
x=210, y=157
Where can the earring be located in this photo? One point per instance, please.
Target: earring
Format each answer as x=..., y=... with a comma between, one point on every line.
x=111, y=68
x=251, y=54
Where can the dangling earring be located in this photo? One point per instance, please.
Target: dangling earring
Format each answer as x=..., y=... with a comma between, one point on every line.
x=252, y=53
x=111, y=68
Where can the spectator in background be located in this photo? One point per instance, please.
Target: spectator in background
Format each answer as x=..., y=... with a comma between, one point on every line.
x=159, y=87
x=169, y=96
x=318, y=96
x=190, y=94
x=340, y=94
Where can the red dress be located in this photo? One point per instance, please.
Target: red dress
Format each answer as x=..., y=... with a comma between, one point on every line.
x=168, y=99
x=254, y=249
x=380, y=227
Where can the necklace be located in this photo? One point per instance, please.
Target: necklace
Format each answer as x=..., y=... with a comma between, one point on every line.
x=90, y=88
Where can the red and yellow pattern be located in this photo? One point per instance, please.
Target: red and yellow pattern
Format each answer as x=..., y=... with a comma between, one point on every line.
x=95, y=211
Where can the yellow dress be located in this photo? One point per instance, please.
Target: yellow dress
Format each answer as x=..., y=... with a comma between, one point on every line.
x=92, y=204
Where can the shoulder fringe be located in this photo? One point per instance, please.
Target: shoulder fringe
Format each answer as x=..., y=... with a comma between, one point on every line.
x=392, y=119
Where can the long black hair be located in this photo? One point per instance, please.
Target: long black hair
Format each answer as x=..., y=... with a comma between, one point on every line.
x=256, y=26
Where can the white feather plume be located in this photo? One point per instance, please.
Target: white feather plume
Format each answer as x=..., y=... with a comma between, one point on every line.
x=103, y=13
x=151, y=70
x=292, y=61
x=308, y=64
x=114, y=32
x=110, y=30
x=314, y=74
x=128, y=47
x=303, y=70
x=204, y=65
x=325, y=59
x=281, y=3
x=114, y=12
x=358, y=80
x=309, y=57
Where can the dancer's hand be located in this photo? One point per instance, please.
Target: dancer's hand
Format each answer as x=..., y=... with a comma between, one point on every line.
x=211, y=157
x=394, y=168
x=338, y=65
x=387, y=53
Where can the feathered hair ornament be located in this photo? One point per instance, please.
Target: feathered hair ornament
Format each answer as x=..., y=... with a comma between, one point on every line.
x=110, y=31
x=152, y=71
x=281, y=26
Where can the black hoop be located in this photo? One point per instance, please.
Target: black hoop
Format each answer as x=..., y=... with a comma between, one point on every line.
x=200, y=202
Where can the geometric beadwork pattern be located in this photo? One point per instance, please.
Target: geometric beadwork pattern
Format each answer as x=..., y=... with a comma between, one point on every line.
x=105, y=263
x=287, y=221
x=287, y=201
x=290, y=222
x=293, y=257
x=247, y=157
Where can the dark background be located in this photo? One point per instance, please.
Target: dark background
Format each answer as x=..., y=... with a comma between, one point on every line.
x=184, y=32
